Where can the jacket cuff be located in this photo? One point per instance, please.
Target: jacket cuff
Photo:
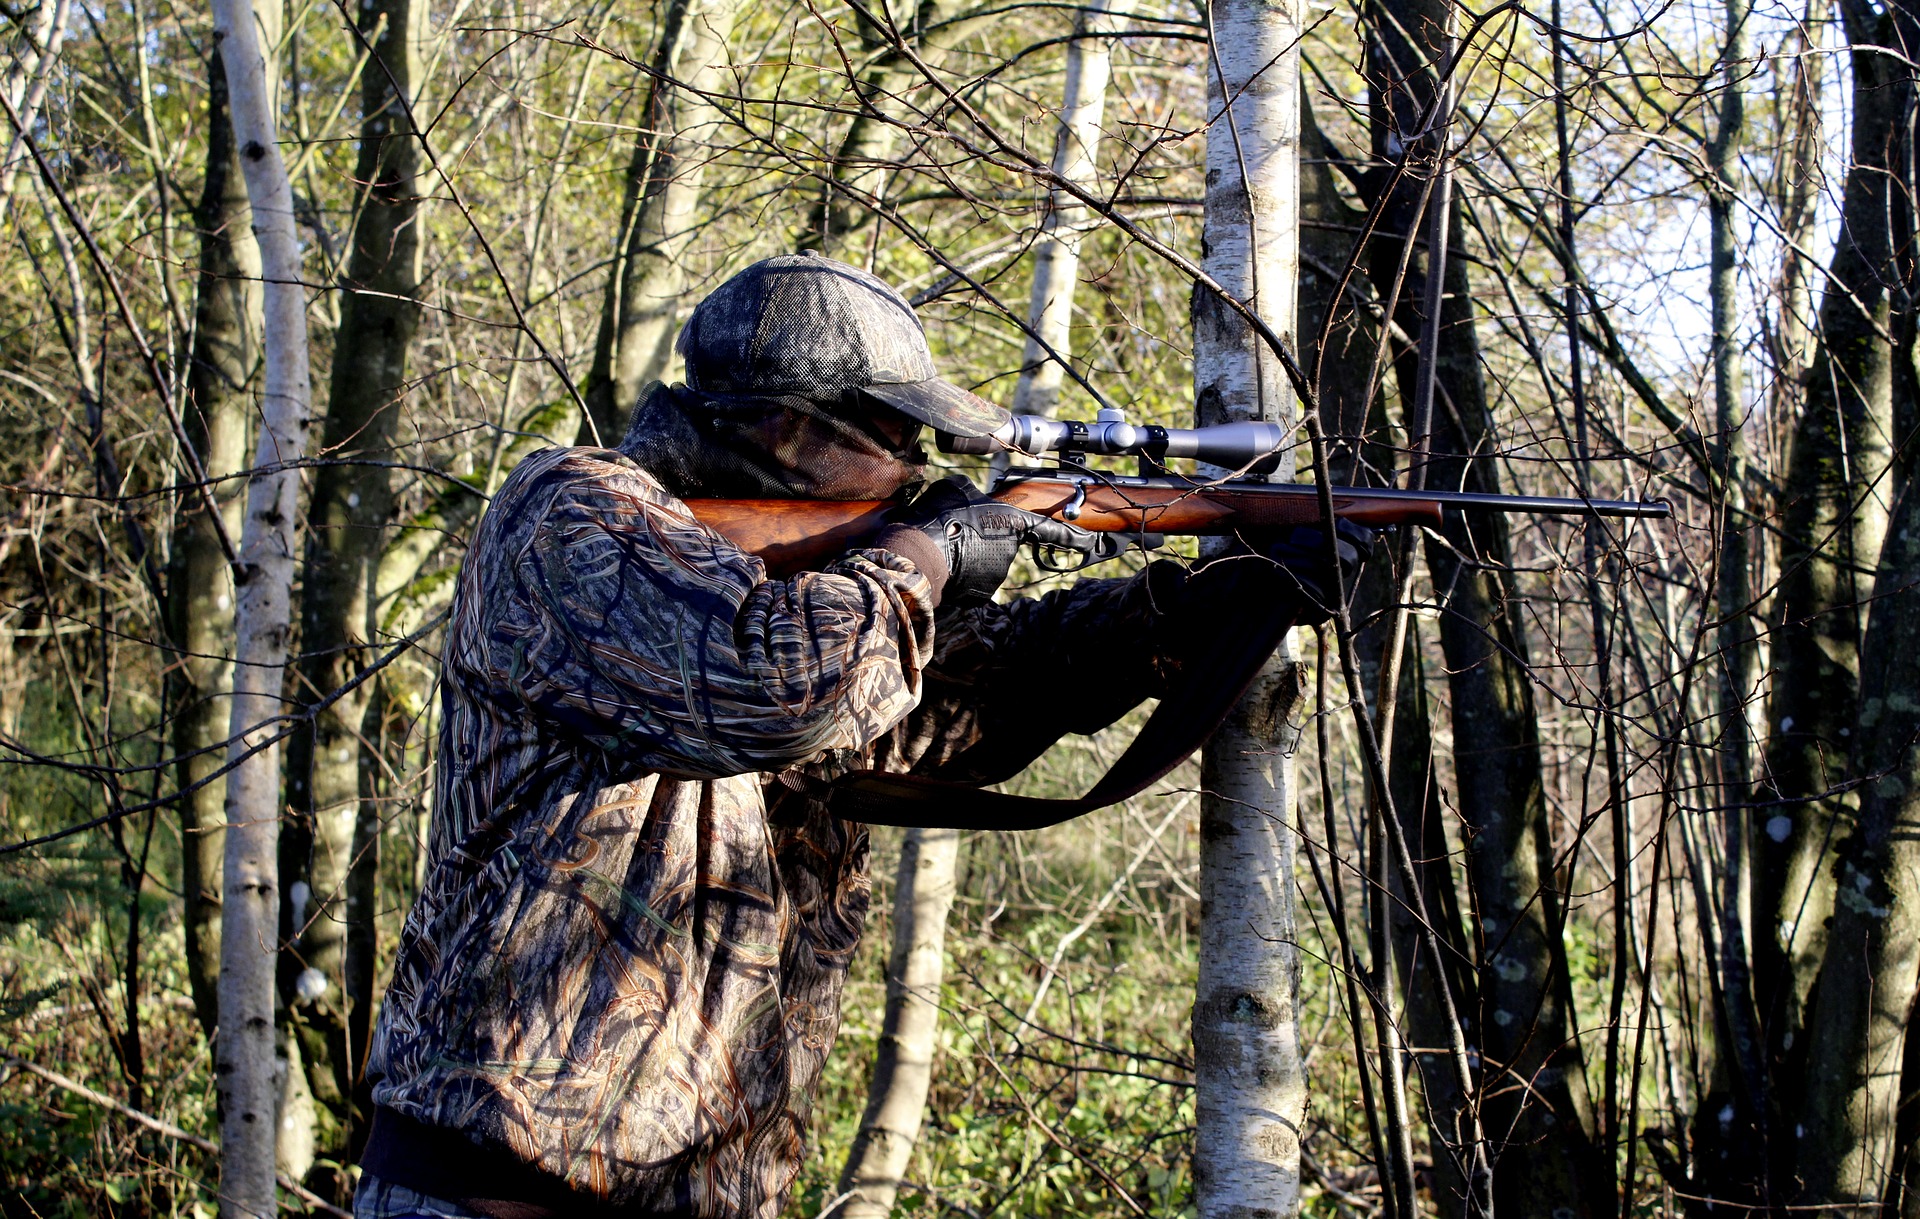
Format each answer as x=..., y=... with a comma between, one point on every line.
x=918, y=549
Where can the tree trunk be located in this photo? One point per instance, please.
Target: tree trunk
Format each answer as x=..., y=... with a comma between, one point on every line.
x=1416, y=801
x=1056, y=257
x=1356, y=419
x=857, y=169
x=327, y=973
x=1739, y=1077
x=1534, y=1089
x=1250, y=1098
x=1863, y=994
x=1866, y=985
x=903, y=1062
x=642, y=308
x=1833, y=515
x=1342, y=367
x=244, y=1057
x=1797, y=185
x=1903, y=1176
x=1525, y=1016
x=222, y=372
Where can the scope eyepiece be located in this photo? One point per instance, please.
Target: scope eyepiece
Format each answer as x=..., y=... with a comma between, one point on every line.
x=950, y=443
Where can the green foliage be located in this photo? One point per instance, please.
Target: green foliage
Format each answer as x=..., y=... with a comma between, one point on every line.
x=1001, y=1086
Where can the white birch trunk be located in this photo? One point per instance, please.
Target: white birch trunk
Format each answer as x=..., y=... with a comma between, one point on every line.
x=1056, y=265
x=26, y=80
x=1250, y=1086
x=244, y=1049
x=903, y=1062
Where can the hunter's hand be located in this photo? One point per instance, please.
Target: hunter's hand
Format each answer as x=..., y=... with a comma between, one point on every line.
x=977, y=534
x=1302, y=554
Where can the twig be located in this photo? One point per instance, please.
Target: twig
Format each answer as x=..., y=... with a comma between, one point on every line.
x=291, y=723
x=169, y=1130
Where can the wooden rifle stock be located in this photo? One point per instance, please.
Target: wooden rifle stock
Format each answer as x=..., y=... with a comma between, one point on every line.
x=793, y=535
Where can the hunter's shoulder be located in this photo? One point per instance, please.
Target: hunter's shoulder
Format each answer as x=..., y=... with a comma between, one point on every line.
x=570, y=482
x=576, y=467
x=595, y=509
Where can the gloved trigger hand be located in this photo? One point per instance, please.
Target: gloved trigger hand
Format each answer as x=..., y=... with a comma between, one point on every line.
x=1302, y=554
x=978, y=534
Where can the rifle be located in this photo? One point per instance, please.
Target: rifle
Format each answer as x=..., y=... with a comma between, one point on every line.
x=1117, y=510
x=1114, y=511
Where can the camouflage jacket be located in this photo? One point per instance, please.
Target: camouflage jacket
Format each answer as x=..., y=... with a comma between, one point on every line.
x=624, y=969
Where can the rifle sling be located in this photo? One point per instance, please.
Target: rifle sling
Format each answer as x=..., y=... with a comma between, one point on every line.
x=1198, y=702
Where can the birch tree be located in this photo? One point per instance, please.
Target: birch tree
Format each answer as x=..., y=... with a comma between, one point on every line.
x=1056, y=257
x=1250, y=1085
x=27, y=74
x=903, y=1061
x=222, y=377
x=244, y=1059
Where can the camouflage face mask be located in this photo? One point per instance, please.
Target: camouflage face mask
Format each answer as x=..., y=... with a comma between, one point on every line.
x=788, y=446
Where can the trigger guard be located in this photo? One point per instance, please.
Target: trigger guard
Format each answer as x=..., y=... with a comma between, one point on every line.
x=1101, y=548
x=1042, y=557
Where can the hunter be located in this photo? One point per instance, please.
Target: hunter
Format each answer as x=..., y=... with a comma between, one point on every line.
x=618, y=987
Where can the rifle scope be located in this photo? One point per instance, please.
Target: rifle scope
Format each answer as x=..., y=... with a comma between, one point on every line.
x=1250, y=446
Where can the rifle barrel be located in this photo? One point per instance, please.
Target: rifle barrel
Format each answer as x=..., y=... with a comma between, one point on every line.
x=1539, y=505
x=1248, y=445
x=1543, y=505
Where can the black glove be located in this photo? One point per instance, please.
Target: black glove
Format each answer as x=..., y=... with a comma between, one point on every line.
x=978, y=535
x=1302, y=555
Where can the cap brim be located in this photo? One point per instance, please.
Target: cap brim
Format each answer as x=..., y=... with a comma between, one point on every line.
x=947, y=408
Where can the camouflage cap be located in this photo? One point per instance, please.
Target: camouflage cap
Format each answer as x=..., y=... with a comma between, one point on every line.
x=806, y=324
